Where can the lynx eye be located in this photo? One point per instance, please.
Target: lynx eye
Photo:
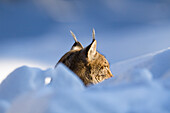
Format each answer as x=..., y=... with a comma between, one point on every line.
x=103, y=76
x=105, y=67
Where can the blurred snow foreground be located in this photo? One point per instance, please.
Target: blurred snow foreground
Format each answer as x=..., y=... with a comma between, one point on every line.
x=140, y=85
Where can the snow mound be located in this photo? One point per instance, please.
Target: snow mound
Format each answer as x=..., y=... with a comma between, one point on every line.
x=25, y=79
x=63, y=78
x=151, y=67
x=140, y=85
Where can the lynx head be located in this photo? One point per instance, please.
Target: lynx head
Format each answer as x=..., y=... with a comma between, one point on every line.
x=87, y=63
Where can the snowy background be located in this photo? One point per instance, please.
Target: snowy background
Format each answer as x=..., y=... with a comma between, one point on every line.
x=35, y=33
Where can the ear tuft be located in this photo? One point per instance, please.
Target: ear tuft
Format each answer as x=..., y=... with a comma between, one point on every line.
x=77, y=45
x=93, y=34
x=74, y=36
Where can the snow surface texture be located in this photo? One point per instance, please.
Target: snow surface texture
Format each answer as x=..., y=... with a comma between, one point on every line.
x=140, y=85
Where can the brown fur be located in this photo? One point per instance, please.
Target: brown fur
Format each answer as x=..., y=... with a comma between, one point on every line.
x=87, y=63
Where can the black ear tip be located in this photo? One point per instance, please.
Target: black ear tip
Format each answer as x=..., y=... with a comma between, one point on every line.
x=94, y=40
x=77, y=45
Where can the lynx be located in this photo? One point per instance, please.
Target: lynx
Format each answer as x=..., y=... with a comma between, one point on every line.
x=87, y=63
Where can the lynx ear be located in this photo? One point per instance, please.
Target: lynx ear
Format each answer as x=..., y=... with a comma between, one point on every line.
x=91, y=50
x=77, y=45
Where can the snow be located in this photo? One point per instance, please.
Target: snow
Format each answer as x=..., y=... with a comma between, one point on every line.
x=35, y=33
x=9, y=65
x=154, y=66
x=140, y=85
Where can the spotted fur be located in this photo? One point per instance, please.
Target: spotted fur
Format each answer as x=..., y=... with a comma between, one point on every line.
x=87, y=63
